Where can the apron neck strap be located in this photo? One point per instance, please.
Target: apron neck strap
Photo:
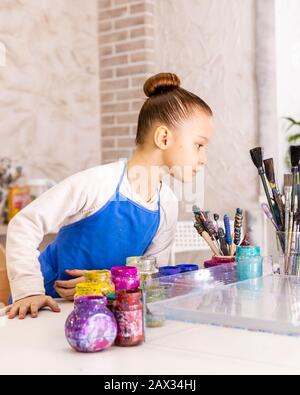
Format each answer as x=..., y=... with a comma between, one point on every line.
x=122, y=178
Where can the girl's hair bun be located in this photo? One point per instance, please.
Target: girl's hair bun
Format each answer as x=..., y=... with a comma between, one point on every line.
x=161, y=83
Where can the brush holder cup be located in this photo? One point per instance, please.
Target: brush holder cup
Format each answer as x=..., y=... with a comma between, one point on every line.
x=288, y=248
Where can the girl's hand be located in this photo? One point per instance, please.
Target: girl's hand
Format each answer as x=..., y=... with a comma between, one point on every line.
x=67, y=289
x=31, y=305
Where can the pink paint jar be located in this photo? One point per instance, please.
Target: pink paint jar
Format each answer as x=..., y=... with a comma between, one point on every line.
x=218, y=261
x=125, y=278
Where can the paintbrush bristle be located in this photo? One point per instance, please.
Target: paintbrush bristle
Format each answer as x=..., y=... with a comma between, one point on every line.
x=270, y=171
x=288, y=180
x=196, y=209
x=257, y=157
x=295, y=155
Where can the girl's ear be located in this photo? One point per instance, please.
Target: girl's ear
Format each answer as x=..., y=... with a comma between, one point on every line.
x=162, y=137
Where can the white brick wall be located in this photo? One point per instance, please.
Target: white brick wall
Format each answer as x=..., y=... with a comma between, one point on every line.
x=127, y=58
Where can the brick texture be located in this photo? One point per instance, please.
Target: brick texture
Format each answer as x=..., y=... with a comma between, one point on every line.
x=127, y=59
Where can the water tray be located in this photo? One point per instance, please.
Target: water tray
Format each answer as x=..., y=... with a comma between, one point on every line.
x=268, y=304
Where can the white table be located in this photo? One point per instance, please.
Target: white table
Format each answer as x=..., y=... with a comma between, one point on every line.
x=39, y=347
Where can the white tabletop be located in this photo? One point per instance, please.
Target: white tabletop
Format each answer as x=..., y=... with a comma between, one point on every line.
x=38, y=346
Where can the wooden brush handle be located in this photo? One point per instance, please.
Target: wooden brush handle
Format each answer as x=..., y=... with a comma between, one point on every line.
x=210, y=243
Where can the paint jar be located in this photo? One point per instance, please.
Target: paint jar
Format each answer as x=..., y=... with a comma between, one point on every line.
x=165, y=271
x=129, y=314
x=133, y=261
x=249, y=268
x=185, y=268
x=249, y=263
x=88, y=289
x=147, y=269
x=91, y=327
x=218, y=261
x=154, y=320
x=247, y=252
x=125, y=278
x=101, y=277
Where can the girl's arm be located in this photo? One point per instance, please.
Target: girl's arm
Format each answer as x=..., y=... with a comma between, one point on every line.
x=27, y=229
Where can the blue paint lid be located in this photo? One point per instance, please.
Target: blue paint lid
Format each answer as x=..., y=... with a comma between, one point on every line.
x=168, y=270
x=184, y=267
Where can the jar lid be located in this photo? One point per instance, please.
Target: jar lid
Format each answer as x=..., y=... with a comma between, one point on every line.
x=90, y=300
x=88, y=288
x=169, y=270
x=248, y=251
x=133, y=260
x=96, y=275
x=187, y=267
x=148, y=264
x=124, y=271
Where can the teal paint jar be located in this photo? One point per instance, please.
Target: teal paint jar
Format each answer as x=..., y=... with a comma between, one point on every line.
x=249, y=263
x=247, y=252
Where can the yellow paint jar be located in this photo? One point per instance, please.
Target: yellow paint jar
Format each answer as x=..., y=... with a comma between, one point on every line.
x=102, y=278
x=88, y=289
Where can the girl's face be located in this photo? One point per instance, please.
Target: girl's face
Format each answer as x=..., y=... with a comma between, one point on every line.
x=186, y=152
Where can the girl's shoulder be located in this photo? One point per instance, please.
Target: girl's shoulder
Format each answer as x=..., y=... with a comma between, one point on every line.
x=107, y=174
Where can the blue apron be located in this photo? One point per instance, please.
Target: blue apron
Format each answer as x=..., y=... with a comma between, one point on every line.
x=120, y=229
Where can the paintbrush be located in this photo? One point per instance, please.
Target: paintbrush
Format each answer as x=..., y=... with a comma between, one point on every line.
x=216, y=219
x=291, y=270
x=223, y=244
x=207, y=224
x=210, y=227
x=288, y=186
x=269, y=215
x=290, y=231
x=270, y=174
x=295, y=159
x=297, y=253
x=298, y=247
x=257, y=159
x=238, y=223
x=228, y=233
x=202, y=232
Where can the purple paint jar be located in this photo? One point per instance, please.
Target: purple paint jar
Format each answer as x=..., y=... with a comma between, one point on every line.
x=125, y=278
x=91, y=327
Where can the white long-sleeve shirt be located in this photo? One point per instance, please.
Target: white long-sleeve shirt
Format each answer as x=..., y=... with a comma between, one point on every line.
x=73, y=199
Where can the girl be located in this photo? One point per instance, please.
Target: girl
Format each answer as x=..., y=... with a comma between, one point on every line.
x=104, y=214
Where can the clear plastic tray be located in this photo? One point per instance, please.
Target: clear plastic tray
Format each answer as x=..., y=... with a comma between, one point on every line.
x=194, y=282
x=268, y=304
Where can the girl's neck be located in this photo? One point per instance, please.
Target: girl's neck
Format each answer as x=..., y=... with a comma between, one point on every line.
x=144, y=172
